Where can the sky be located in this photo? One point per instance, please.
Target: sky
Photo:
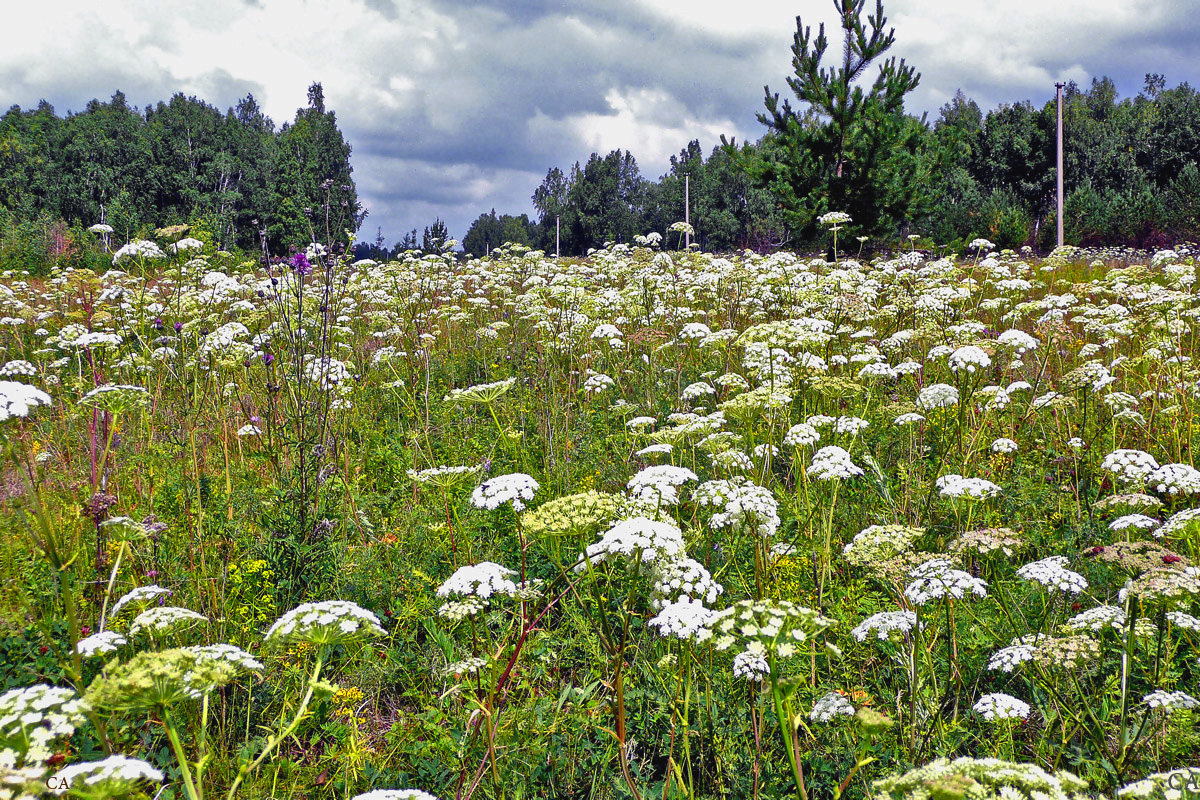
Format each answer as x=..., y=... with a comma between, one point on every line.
x=455, y=107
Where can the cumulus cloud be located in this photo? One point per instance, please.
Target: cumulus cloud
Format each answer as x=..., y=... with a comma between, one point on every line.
x=457, y=106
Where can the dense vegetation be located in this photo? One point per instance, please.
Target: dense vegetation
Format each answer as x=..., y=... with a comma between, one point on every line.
x=233, y=173
x=646, y=524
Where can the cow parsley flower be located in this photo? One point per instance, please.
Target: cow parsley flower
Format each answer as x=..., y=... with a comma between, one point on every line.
x=1005, y=446
x=516, y=489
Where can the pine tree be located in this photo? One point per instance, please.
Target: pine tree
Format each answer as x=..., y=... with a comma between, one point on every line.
x=845, y=149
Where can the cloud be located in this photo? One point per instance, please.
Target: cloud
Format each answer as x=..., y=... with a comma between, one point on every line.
x=457, y=106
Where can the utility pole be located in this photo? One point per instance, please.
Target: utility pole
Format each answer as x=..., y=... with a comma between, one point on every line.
x=1059, y=220
x=556, y=235
x=687, y=212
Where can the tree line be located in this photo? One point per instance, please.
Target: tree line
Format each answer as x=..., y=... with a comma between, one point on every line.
x=1130, y=167
x=233, y=173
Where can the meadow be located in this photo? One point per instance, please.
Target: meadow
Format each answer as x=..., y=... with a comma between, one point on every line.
x=641, y=524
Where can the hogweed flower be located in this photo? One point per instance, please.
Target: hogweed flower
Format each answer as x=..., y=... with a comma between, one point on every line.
x=833, y=463
x=768, y=626
x=939, y=395
x=982, y=779
x=1052, y=573
x=1170, y=701
x=480, y=580
x=112, y=777
x=957, y=486
x=885, y=625
x=394, y=794
x=325, y=623
x=164, y=620
x=830, y=706
x=101, y=643
x=687, y=620
x=660, y=484
x=1000, y=706
x=683, y=579
x=516, y=489
x=18, y=399
x=33, y=718
x=750, y=666
x=139, y=597
x=938, y=578
x=483, y=393
x=740, y=506
x=969, y=359
x=1129, y=466
x=639, y=539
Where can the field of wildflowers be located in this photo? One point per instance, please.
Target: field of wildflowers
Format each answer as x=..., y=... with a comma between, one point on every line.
x=642, y=524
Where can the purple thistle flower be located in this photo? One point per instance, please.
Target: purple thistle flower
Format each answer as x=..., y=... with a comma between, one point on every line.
x=300, y=264
x=158, y=323
x=178, y=327
x=267, y=359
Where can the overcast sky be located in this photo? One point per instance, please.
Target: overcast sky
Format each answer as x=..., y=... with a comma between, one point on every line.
x=454, y=107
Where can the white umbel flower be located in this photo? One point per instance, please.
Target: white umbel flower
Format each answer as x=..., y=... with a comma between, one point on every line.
x=641, y=539
x=1052, y=573
x=325, y=623
x=479, y=580
x=1170, y=701
x=938, y=578
x=18, y=399
x=830, y=706
x=516, y=489
x=832, y=463
x=660, y=484
x=1000, y=706
x=686, y=620
x=115, y=776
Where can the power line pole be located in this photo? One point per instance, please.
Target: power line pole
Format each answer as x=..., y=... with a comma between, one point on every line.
x=556, y=236
x=687, y=211
x=1059, y=87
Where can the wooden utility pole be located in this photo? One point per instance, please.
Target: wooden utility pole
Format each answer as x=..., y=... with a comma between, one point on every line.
x=687, y=212
x=556, y=240
x=1059, y=218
